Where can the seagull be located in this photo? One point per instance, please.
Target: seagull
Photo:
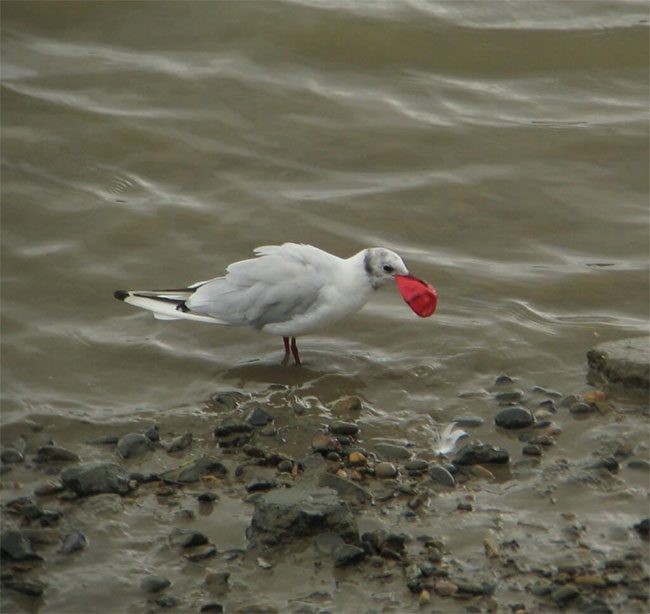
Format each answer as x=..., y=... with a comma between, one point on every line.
x=288, y=290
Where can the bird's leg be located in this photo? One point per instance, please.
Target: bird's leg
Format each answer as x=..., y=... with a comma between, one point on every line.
x=286, y=350
x=294, y=350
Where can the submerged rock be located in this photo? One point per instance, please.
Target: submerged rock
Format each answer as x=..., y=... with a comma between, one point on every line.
x=477, y=452
x=188, y=539
x=134, y=444
x=11, y=455
x=339, y=427
x=231, y=425
x=17, y=547
x=154, y=584
x=48, y=454
x=180, y=443
x=625, y=362
x=203, y=466
x=389, y=451
x=514, y=418
x=344, y=487
x=31, y=588
x=282, y=515
x=259, y=417
x=95, y=479
x=347, y=554
x=439, y=474
x=73, y=541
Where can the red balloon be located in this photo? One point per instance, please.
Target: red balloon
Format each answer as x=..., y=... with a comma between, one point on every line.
x=420, y=296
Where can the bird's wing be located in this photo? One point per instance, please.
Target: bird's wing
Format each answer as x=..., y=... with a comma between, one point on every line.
x=284, y=281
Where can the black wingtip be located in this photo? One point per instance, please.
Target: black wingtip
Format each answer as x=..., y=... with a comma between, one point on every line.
x=120, y=295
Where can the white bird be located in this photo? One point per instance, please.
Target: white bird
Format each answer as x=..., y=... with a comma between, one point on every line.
x=288, y=290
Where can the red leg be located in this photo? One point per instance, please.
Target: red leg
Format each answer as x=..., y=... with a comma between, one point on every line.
x=294, y=351
x=286, y=346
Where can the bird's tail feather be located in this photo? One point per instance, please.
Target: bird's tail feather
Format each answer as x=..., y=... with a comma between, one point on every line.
x=165, y=304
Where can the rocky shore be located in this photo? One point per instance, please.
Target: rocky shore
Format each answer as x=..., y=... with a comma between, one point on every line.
x=328, y=514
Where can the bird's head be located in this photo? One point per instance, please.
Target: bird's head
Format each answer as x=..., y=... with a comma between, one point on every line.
x=382, y=264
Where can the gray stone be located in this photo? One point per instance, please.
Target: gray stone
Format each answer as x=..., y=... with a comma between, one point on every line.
x=259, y=417
x=103, y=440
x=231, y=425
x=509, y=396
x=416, y=466
x=385, y=470
x=188, y=539
x=154, y=584
x=94, y=479
x=339, y=427
x=389, y=451
x=261, y=484
x=203, y=466
x=31, y=588
x=477, y=452
x=347, y=554
x=48, y=454
x=442, y=476
x=153, y=433
x=514, y=418
x=563, y=595
x=531, y=449
x=73, y=541
x=227, y=400
x=468, y=420
x=134, y=444
x=17, y=547
x=282, y=515
x=11, y=455
x=582, y=408
x=180, y=443
x=344, y=487
x=625, y=362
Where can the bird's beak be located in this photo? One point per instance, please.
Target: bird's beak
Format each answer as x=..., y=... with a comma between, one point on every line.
x=419, y=295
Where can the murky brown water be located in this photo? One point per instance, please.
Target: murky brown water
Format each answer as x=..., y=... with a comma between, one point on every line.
x=501, y=148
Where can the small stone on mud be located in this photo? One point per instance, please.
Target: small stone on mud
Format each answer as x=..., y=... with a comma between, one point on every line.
x=73, y=541
x=153, y=433
x=643, y=527
x=231, y=425
x=154, y=584
x=532, y=449
x=31, y=588
x=103, y=440
x=416, y=467
x=347, y=554
x=200, y=468
x=514, y=418
x=582, y=408
x=344, y=487
x=563, y=595
x=389, y=451
x=168, y=601
x=201, y=553
x=259, y=417
x=503, y=379
x=261, y=484
x=356, y=458
x=134, y=444
x=509, y=396
x=478, y=452
x=10, y=455
x=187, y=539
x=180, y=443
x=339, y=427
x=348, y=404
x=468, y=420
x=97, y=478
x=285, y=466
x=445, y=588
x=212, y=607
x=385, y=470
x=48, y=454
x=16, y=546
x=439, y=474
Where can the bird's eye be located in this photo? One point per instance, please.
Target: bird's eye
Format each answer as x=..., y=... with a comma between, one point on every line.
x=388, y=268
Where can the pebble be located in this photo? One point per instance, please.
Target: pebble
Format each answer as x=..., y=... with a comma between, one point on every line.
x=339, y=427
x=348, y=404
x=445, y=588
x=47, y=489
x=259, y=417
x=212, y=607
x=439, y=474
x=11, y=455
x=514, y=418
x=93, y=479
x=478, y=452
x=463, y=506
x=582, y=408
x=201, y=553
x=385, y=470
x=232, y=425
x=180, y=443
x=261, y=484
x=228, y=400
x=103, y=439
x=509, y=396
x=476, y=588
x=188, y=539
x=47, y=454
x=569, y=400
x=549, y=393
x=643, y=527
x=133, y=445
x=563, y=595
x=15, y=545
x=389, y=451
x=348, y=554
x=285, y=466
x=639, y=463
x=168, y=601
x=207, y=497
x=73, y=541
x=532, y=449
x=503, y=379
x=31, y=588
x=468, y=420
x=344, y=487
x=154, y=584
x=205, y=465
x=416, y=467
x=413, y=574
x=334, y=457
x=153, y=433
x=217, y=582
x=357, y=459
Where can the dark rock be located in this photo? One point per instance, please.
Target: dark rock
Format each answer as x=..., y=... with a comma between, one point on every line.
x=639, y=463
x=344, y=487
x=338, y=427
x=73, y=541
x=153, y=433
x=569, y=400
x=230, y=425
x=464, y=506
x=17, y=547
x=203, y=466
x=202, y=553
x=10, y=455
x=168, y=601
x=346, y=554
x=416, y=467
x=348, y=404
x=134, y=444
x=207, y=497
x=549, y=393
x=439, y=474
x=49, y=454
x=503, y=379
x=582, y=408
x=187, y=539
x=103, y=439
x=213, y=606
x=282, y=515
x=227, y=400
x=562, y=596
x=385, y=470
x=509, y=396
x=94, y=479
x=413, y=575
x=180, y=443
x=530, y=449
x=475, y=588
x=389, y=451
x=542, y=440
x=477, y=452
x=234, y=440
x=514, y=418
x=31, y=588
x=261, y=484
x=259, y=417
x=625, y=362
x=217, y=582
x=609, y=463
x=285, y=466
x=255, y=451
x=643, y=527
x=47, y=489
x=468, y=420
x=154, y=584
